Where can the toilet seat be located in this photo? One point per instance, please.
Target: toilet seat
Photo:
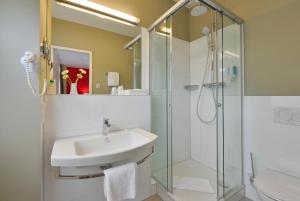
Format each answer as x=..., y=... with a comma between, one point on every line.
x=278, y=186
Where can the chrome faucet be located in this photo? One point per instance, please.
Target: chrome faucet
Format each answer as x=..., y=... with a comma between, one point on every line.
x=105, y=126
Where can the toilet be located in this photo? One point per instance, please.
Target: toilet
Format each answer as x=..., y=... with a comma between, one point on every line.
x=273, y=185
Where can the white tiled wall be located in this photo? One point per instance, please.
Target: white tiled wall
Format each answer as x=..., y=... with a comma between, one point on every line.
x=68, y=115
x=273, y=145
x=191, y=138
x=203, y=136
x=181, y=127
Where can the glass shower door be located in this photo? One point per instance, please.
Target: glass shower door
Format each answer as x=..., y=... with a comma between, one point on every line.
x=160, y=103
x=230, y=114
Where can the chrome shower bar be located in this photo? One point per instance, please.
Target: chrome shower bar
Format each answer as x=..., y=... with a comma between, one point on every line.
x=210, y=3
x=213, y=84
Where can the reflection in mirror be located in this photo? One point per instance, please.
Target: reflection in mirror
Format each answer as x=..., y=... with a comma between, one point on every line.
x=71, y=68
x=137, y=65
x=76, y=35
x=136, y=47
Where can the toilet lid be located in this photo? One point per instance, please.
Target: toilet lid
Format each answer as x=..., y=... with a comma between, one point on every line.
x=278, y=185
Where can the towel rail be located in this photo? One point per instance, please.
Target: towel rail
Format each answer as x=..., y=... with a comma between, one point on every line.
x=104, y=167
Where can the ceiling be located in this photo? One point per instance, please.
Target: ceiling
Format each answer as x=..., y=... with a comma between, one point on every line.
x=72, y=58
x=64, y=13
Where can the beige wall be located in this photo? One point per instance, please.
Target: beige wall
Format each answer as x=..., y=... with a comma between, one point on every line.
x=180, y=25
x=272, y=53
x=256, y=13
x=272, y=44
x=248, y=9
x=107, y=49
x=20, y=136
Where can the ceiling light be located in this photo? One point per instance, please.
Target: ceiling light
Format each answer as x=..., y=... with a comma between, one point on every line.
x=100, y=11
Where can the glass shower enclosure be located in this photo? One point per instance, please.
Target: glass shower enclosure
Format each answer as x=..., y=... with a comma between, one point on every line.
x=196, y=85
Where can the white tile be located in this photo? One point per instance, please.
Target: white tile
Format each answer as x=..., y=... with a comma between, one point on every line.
x=273, y=145
x=203, y=136
x=181, y=128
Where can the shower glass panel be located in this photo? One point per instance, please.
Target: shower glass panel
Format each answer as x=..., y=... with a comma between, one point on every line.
x=196, y=103
x=160, y=113
x=232, y=107
x=194, y=139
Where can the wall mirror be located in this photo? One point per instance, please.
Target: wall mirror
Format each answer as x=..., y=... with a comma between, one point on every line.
x=95, y=53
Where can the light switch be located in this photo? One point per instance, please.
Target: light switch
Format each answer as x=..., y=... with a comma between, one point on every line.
x=98, y=85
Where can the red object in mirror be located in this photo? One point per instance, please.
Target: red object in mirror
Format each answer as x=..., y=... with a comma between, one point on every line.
x=82, y=84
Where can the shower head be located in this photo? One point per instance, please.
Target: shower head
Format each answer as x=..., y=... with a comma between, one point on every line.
x=205, y=31
x=198, y=10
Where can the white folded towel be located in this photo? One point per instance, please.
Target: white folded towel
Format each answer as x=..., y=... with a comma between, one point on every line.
x=120, y=182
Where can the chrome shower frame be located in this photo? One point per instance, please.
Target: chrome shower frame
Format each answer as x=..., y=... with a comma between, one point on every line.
x=237, y=195
x=210, y=3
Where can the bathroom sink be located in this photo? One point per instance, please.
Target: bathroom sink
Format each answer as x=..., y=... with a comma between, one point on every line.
x=100, y=150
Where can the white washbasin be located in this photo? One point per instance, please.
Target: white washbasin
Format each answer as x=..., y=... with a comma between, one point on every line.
x=97, y=150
